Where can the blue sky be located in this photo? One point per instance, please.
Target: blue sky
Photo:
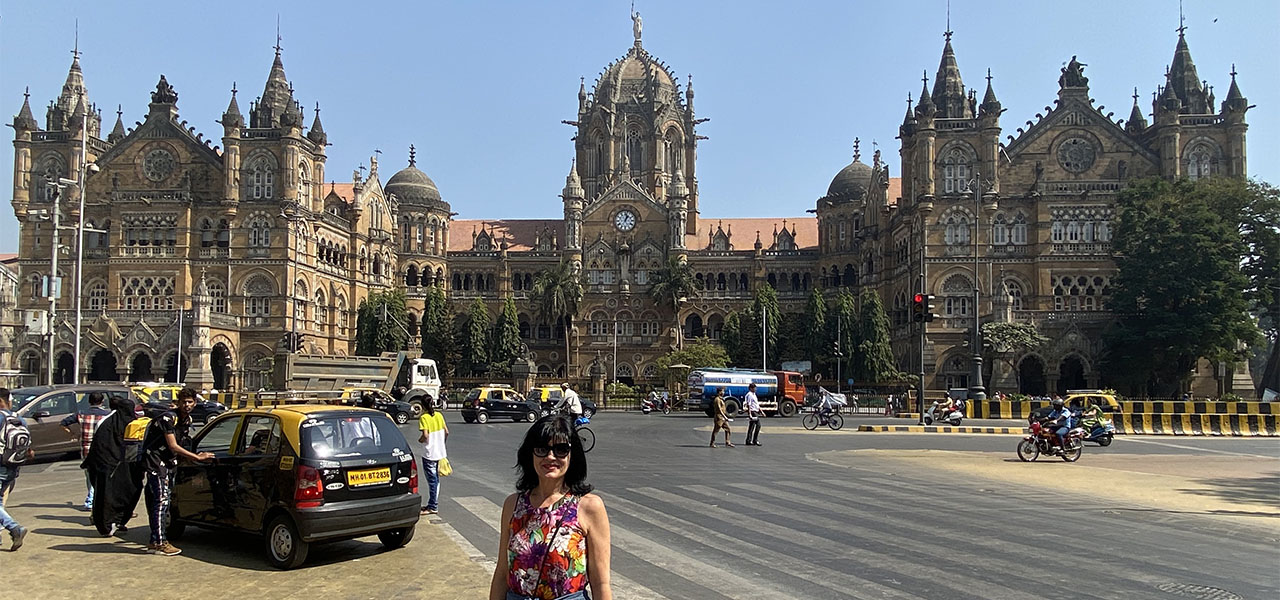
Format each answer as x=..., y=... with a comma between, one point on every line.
x=481, y=87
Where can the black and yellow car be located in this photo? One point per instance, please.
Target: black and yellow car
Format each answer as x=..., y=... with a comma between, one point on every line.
x=300, y=474
x=498, y=402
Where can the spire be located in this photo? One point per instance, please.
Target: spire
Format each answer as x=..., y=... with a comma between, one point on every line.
x=63, y=110
x=232, y=117
x=582, y=95
x=688, y=94
x=948, y=88
x=990, y=106
x=413, y=156
x=1235, y=100
x=25, y=121
x=925, y=107
x=117, y=132
x=1137, y=122
x=857, y=149
x=317, y=134
x=1183, y=79
x=910, y=118
x=277, y=96
x=572, y=184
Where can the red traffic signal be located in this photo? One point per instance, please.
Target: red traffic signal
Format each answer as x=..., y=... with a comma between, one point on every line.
x=919, y=299
x=922, y=308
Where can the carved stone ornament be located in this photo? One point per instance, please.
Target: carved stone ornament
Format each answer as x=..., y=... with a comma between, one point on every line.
x=158, y=165
x=1076, y=155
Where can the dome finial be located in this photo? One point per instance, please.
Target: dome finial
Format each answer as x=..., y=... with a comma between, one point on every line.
x=857, y=152
x=413, y=155
x=636, y=23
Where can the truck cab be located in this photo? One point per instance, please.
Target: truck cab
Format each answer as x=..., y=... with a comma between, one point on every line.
x=423, y=383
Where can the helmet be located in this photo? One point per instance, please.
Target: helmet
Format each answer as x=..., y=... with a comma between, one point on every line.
x=1058, y=402
x=564, y=386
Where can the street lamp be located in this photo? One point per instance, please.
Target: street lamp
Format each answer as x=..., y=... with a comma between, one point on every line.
x=85, y=169
x=976, y=389
x=290, y=215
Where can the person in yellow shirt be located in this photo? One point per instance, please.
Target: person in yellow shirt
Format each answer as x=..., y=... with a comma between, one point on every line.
x=434, y=433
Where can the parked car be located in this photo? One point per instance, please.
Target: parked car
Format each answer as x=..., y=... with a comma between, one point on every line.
x=45, y=406
x=399, y=410
x=548, y=396
x=497, y=402
x=300, y=474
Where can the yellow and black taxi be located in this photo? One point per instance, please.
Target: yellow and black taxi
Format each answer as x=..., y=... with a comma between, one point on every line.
x=1079, y=400
x=498, y=402
x=548, y=396
x=300, y=474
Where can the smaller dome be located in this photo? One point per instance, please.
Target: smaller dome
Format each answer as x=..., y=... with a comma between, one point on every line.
x=851, y=182
x=410, y=184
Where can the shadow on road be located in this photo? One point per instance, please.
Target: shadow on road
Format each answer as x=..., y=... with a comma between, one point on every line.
x=1251, y=490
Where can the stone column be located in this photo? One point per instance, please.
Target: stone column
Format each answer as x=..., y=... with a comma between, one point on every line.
x=199, y=371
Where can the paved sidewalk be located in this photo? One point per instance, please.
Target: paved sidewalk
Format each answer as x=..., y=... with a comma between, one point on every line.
x=64, y=557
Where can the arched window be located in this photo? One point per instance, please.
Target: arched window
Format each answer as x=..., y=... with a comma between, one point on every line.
x=322, y=311
x=671, y=151
x=957, y=231
x=304, y=184
x=146, y=293
x=262, y=179
x=51, y=169
x=259, y=232
x=957, y=293
x=217, y=295
x=1015, y=293
x=258, y=292
x=411, y=276
x=97, y=296
x=206, y=233
x=1019, y=233
x=1199, y=161
x=635, y=150
x=224, y=233
x=999, y=231
x=955, y=171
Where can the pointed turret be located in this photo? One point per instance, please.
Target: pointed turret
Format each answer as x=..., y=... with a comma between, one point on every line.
x=117, y=132
x=948, y=88
x=573, y=184
x=1235, y=102
x=231, y=118
x=1184, y=81
x=76, y=120
x=908, y=126
x=276, y=99
x=1169, y=100
x=990, y=106
x=582, y=95
x=1137, y=122
x=317, y=134
x=678, y=187
x=25, y=121
x=688, y=94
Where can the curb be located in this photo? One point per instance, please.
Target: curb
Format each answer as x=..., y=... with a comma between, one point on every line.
x=941, y=429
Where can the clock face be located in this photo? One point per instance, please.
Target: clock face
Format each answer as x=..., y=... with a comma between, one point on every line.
x=625, y=220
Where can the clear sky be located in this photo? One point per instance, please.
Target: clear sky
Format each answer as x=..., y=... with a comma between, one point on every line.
x=481, y=87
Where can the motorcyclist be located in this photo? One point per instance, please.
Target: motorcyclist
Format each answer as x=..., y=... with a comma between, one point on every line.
x=1059, y=421
x=941, y=409
x=1091, y=416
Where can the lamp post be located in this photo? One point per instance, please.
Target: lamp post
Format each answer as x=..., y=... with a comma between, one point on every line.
x=976, y=389
x=86, y=167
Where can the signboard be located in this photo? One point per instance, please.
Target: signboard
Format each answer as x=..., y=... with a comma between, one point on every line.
x=37, y=322
x=800, y=366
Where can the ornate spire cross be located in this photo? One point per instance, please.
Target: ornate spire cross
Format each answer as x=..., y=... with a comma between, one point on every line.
x=947, y=34
x=1182, y=21
x=278, y=38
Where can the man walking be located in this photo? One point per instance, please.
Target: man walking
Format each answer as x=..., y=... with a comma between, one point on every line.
x=721, y=419
x=166, y=440
x=752, y=405
x=89, y=420
x=9, y=469
x=434, y=433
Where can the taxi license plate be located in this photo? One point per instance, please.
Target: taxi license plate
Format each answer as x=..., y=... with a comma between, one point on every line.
x=368, y=477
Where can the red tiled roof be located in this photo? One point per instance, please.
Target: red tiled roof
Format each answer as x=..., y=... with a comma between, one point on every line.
x=520, y=234
x=742, y=232
x=345, y=191
x=8, y=259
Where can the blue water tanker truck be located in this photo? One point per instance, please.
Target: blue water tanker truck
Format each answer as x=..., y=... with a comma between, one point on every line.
x=779, y=392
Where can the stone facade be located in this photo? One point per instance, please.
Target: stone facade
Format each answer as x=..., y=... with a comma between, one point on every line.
x=252, y=220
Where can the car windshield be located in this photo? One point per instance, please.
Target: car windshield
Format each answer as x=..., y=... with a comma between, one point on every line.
x=350, y=435
x=473, y=394
x=21, y=399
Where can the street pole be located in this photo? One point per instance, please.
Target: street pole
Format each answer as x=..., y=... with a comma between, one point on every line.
x=177, y=374
x=615, y=348
x=924, y=324
x=839, y=353
x=53, y=287
x=764, y=338
x=976, y=389
x=81, y=177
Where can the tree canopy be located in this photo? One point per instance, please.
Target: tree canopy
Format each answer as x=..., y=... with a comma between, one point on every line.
x=475, y=347
x=506, y=339
x=873, y=362
x=555, y=297
x=381, y=323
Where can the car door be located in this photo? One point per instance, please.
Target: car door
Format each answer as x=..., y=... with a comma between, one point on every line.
x=44, y=417
x=496, y=404
x=199, y=490
x=251, y=470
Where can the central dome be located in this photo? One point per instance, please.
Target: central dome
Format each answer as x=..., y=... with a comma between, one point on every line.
x=852, y=182
x=636, y=66
x=411, y=184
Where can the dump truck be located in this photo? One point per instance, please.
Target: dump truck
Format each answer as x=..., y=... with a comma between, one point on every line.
x=330, y=375
x=779, y=392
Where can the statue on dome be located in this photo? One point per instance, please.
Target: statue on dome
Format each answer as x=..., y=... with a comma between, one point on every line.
x=636, y=25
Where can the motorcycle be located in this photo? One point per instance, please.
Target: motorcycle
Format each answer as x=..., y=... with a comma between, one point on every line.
x=647, y=406
x=1098, y=431
x=1040, y=440
x=951, y=417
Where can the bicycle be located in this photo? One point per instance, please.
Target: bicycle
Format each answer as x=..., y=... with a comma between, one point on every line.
x=585, y=435
x=821, y=417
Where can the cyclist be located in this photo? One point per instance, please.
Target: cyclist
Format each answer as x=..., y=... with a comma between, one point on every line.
x=824, y=406
x=569, y=402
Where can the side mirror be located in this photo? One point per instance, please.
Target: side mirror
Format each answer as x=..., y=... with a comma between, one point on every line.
x=41, y=414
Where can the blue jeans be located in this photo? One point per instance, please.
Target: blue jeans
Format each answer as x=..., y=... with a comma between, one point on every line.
x=431, y=469
x=7, y=477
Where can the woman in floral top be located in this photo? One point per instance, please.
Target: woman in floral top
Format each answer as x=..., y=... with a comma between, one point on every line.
x=555, y=532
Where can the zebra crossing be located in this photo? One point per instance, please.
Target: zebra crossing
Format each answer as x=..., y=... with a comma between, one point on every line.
x=870, y=536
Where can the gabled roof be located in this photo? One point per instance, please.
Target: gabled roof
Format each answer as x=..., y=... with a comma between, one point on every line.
x=1056, y=115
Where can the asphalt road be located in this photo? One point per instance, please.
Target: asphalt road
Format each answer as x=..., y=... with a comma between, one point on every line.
x=818, y=514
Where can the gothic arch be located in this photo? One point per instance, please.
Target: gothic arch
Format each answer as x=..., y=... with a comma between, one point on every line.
x=258, y=282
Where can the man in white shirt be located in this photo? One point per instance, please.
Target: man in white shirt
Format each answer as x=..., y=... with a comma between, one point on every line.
x=752, y=404
x=569, y=401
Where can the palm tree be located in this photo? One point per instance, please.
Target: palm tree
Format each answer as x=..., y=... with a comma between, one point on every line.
x=555, y=297
x=671, y=285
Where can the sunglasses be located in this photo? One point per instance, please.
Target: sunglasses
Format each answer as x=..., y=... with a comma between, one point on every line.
x=560, y=450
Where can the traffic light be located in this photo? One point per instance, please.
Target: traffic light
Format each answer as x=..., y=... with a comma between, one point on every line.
x=922, y=308
x=835, y=348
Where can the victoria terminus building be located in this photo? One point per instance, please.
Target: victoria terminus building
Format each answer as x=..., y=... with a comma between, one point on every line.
x=249, y=237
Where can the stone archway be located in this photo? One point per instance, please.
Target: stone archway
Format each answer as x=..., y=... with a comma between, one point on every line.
x=64, y=369
x=1071, y=374
x=102, y=367
x=140, y=367
x=1031, y=376
x=220, y=364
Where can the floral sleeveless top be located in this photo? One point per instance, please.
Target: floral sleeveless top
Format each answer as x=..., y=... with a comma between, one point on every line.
x=538, y=544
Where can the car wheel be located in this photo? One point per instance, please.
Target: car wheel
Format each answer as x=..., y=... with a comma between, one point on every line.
x=402, y=418
x=482, y=417
x=530, y=417
x=396, y=538
x=285, y=548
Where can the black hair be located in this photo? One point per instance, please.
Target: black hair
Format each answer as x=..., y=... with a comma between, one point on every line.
x=429, y=404
x=186, y=393
x=96, y=398
x=545, y=432
x=4, y=394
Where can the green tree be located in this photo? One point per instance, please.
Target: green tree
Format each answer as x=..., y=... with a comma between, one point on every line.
x=698, y=354
x=1009, y=340
x=793, y=343
x=731, y=337
x=1253, y=209
x=672, y=283
x=437, y=325
x=506, y=338
x=1179, y=289
x=873, y=362
x=381, y=323
x=817, y=339
x=846, y=320
x=475, y=349
x=765, y=306
x=555, y=296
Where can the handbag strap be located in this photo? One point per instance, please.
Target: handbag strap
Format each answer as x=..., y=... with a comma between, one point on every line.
x=550, y=543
